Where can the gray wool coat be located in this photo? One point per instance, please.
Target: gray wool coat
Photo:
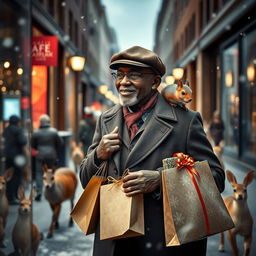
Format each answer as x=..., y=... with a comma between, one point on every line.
x=167, y=130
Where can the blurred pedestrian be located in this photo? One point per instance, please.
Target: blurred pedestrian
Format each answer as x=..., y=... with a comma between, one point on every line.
x=86, y=130
x=15, y=141
x=216, y=128
x=46, y=145
x=138, y=134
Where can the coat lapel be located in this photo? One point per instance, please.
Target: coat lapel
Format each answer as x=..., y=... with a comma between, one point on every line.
x=154, y=132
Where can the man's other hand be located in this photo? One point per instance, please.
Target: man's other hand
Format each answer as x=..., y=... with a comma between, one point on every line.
x=143, y=181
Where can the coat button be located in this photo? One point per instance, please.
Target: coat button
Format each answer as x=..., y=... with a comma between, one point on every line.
x=115, y=171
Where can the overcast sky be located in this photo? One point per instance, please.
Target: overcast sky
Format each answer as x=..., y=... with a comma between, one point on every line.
x=133, y=20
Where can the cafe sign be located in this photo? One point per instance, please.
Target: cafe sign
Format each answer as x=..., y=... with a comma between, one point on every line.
x=45, y=50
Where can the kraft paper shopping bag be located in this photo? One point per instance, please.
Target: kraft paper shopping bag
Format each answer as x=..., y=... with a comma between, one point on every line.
x=86, y=211
x=120, y=216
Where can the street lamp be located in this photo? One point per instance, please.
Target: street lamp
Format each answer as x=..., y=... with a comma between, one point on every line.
x=250, y=73
x=178, y=73
x=77, y=63
x=229, y=79
x=169, y=80
x=103, y=89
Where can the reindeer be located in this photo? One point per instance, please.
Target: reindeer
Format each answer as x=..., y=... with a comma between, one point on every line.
x=77, y=154
x=240, y=213
x=25, y=235
x=4, y=205
x=60, y=185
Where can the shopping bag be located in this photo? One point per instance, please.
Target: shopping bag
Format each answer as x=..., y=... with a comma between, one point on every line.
x=193, y=206
x=86, y=211
x=120, y=216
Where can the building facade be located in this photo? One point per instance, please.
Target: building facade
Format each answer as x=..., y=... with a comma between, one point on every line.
x=214, y=41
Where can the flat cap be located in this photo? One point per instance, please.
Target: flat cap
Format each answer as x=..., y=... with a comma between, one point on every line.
x=140, y=57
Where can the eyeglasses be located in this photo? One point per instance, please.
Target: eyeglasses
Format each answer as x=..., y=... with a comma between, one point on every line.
x=131, y=76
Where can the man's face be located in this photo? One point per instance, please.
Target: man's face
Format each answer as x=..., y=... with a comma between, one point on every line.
x=136, y=86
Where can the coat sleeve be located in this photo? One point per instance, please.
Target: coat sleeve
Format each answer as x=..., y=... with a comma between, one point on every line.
x=88, y=166
x=200, y=149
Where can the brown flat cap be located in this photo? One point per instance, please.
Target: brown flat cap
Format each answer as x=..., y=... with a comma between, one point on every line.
x=140, y=57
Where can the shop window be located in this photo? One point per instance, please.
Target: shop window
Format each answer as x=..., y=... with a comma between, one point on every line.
x=249, y=117
x=39, y=93
x=231, y=97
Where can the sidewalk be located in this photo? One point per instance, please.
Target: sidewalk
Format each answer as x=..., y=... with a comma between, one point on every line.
x=67, y=242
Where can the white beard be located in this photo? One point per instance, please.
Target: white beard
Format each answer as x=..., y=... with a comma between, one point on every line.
x=125, y=101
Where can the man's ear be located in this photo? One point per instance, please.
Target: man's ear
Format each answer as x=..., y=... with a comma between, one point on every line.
x=156, y=82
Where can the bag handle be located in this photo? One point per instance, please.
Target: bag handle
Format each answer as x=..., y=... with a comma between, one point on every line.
x=103, y=170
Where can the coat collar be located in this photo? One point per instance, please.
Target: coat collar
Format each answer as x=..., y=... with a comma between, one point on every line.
x=157, y=129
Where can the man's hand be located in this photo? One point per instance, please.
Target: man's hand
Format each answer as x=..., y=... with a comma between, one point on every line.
x=109, y=143
x=143, y=181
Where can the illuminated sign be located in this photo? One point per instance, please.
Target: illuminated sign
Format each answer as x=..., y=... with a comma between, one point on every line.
x=45, y=50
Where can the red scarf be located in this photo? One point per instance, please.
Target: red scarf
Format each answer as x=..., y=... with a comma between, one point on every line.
x=132, y=118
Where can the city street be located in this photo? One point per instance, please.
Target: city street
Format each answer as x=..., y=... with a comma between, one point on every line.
x=72, y=242
x=134, y=80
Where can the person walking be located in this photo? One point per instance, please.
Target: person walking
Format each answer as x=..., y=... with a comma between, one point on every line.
x=138, y=134
x=46, y=144
x=216, y=128
x=14, y=143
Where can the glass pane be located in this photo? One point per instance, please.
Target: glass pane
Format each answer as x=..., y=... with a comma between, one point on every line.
x=231, y=97
x=249, y=120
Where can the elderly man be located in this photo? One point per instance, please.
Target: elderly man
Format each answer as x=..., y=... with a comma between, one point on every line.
x=137, y=134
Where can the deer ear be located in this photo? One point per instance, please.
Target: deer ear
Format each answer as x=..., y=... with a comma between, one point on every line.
x=180, y=84
x=221, y=144
x=8, y=174
x=54, y=167
x=248, y=178
x=45, y=167
x=32, y=193
x=72, y=144
x=231, y=178
x=21, y=193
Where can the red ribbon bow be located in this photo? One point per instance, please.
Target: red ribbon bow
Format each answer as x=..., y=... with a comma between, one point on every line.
x=185, y=161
